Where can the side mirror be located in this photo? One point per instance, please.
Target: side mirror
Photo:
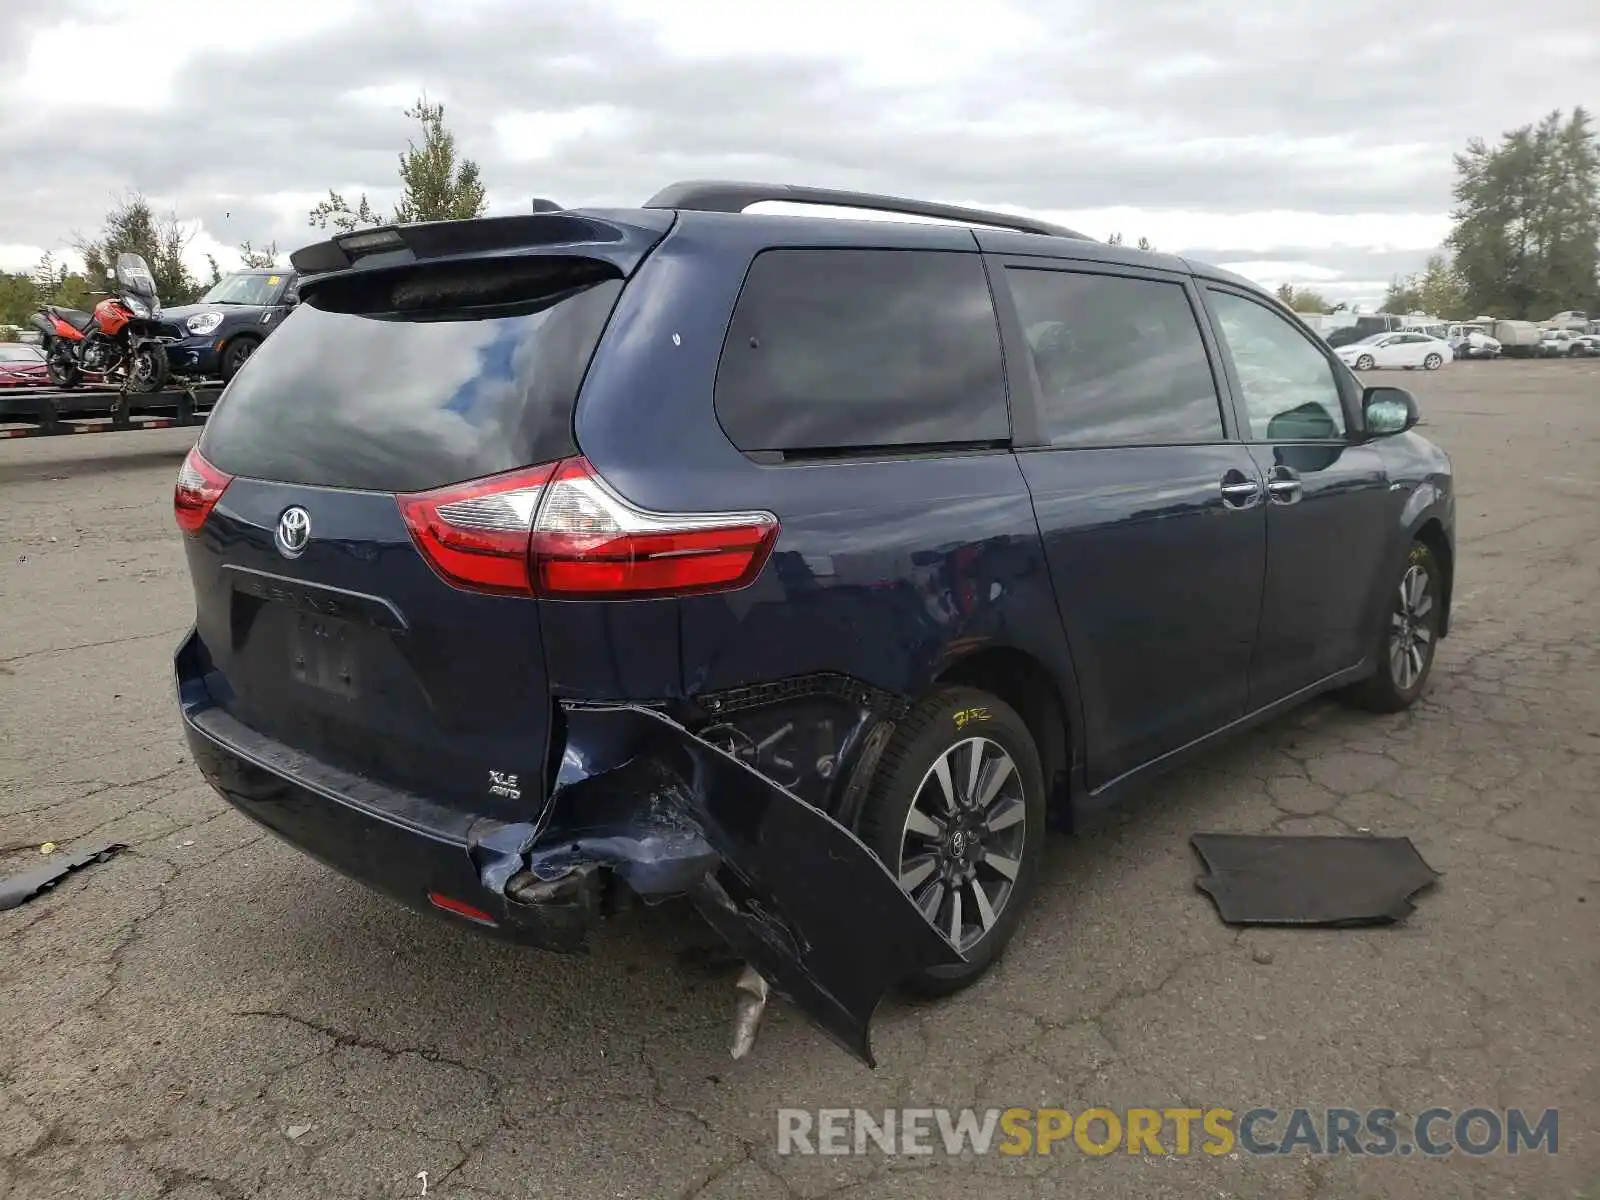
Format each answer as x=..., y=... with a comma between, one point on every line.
x=1386, y=411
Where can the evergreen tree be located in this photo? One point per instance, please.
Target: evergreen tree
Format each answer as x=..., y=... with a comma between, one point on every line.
x=1526, y=239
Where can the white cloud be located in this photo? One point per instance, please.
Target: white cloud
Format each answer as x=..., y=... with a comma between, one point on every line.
x=133, y=44
x=390, y=97
x=537, y=136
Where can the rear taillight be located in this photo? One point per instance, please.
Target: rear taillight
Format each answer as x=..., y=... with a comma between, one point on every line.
x=200, y=486
x=561, y=531
x=476, y=534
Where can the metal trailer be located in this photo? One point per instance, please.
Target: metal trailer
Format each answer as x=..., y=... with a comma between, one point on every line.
x=48, y=412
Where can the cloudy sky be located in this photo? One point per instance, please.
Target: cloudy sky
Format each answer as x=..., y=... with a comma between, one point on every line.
x=1307, y=140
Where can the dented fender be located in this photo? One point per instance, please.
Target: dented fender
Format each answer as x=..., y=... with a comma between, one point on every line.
x=792, y=891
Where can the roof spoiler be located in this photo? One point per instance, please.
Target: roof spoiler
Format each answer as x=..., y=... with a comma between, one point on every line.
x=434, y=239
x=731, y=197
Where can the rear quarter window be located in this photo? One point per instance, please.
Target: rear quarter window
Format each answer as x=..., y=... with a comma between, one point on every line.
x=405, y=402
x=839, y=349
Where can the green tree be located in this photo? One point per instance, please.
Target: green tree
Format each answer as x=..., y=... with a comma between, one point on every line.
x=1437, y=290
x=1303, y=300
x=1526, y=234
x=75, y=292
x=336, y=211
x=132, y=227
x=47, y=278
x=18, y=297
x=435, y=186
x=1402, y=296
x=258, y=259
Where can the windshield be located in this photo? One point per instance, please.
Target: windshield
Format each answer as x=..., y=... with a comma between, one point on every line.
x=244, y=288
x=134, y=275
x=20, y=353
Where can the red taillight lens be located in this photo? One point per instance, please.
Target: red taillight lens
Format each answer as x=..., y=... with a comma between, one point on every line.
x=200, y=486
x=590, y=542
x=476, y=534
x=560, y=531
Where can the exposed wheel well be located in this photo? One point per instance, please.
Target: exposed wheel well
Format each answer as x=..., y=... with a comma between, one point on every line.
x=1023, y=683
x=1432, y=536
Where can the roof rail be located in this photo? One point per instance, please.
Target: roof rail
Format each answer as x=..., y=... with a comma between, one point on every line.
x=731, y=197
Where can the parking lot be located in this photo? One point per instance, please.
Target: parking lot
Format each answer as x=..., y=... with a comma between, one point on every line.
x=213, y=1015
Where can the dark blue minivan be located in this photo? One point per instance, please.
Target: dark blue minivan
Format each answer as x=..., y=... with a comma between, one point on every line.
x=806, y=567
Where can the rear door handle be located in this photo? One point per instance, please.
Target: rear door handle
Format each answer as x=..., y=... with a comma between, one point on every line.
x=1240, y=491
x=1284, y=486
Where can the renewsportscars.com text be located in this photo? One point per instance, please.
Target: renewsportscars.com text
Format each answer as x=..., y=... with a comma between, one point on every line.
x=1374, y=1132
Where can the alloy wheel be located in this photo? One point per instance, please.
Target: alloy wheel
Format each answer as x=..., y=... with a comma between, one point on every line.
x=143, y=372
x=962, y=844
x=1411, y=628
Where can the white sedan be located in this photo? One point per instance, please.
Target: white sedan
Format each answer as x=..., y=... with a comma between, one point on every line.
x=1405, y=348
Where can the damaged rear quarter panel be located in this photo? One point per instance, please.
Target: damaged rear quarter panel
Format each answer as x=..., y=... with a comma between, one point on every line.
x=791, y=890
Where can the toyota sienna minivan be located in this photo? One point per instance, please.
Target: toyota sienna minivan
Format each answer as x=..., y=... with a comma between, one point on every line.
x=809, y=568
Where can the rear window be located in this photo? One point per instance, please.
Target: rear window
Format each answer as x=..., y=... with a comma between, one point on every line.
x=400, y=390
x=838, y=350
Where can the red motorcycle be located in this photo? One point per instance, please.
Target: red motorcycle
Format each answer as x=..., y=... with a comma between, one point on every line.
x=123, y=341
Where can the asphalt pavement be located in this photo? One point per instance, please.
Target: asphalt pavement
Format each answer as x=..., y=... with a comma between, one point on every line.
x=211, y=1014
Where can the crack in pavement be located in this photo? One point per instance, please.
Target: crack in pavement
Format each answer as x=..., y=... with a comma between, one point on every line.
x=49, y=650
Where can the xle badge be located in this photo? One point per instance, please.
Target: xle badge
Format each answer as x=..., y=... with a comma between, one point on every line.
x=501, y=784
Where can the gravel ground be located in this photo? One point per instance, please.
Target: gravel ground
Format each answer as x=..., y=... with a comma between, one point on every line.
x=213, y=1015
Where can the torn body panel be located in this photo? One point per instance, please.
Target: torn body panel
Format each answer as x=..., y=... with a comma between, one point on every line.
x=794, y=892
x=25, y=885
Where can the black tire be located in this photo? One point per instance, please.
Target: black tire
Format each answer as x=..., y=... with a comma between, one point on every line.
x=1395, y=686
x=961, y=719
x=63, y=373
x=149, y=370
x=1433, y=362
x=1364, y=363
x=235, y=354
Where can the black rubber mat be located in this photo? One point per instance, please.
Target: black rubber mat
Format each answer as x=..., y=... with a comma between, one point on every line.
x=1260, y=879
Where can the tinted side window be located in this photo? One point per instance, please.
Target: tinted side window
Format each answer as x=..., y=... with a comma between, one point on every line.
x=1120, y=361
x=1289, y=387
x=839, y=349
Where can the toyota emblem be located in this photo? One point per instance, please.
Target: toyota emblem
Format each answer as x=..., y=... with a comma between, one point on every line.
x=294, y=531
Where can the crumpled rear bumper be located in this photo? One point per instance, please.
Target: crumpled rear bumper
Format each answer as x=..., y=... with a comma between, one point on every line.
x=638, y=799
